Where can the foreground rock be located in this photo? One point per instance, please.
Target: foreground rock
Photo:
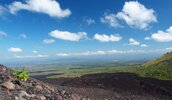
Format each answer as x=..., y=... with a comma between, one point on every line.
x=12, y=88
x=9, y=85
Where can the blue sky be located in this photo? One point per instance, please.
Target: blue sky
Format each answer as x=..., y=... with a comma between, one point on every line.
x=32, y=29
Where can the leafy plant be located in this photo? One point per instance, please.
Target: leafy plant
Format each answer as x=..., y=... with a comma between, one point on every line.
x=21, y=74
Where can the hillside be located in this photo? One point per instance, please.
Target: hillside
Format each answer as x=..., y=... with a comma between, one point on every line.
x=12, y=88
x=160, y=68
x=115, y=86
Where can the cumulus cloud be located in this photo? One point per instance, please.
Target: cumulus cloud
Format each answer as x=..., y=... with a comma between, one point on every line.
x=107, y=38
x=147, y=38
x=133, y=42
x=48, y=41
x=2, y=34
x=65, y=35
x=49, y=7
x=89, y=21
x=14, y=50
x=136, y=43
x=137, y=15
x=163, y=36
x=110, y=19
x=134, y=14
x=144, y=45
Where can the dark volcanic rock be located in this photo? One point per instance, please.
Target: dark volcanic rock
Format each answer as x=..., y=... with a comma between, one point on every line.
x=12, y=88
x=116, y=86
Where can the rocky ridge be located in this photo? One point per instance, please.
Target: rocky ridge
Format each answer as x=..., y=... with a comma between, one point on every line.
x=12, y=88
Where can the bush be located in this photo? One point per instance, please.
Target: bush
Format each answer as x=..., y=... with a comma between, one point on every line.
x=21, y=74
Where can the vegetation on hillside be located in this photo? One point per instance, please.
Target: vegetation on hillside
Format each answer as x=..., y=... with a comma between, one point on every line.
x=21, y=74
x=160, y=68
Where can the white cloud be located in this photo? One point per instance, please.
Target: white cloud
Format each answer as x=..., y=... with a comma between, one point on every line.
x=163, y=36
x=169, y=48
x=89, y=21
x=35, y=52
x=113, y=52
x=147, y=38
x=23, y=36
x=133, y=42
x=48, y=41
x=49, y=7
x=65, y=35
x=144, y=45
x=110, y=19
x=100, y=52
x=97, y=53
x=2, y=34
x=137, y=15
x=62, y=54
x=14, y=50
x=107, y=38
x=34, y=56
x=42, y=56
x=137, y=43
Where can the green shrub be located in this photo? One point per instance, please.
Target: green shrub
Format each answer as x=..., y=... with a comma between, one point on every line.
x=21, y=74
